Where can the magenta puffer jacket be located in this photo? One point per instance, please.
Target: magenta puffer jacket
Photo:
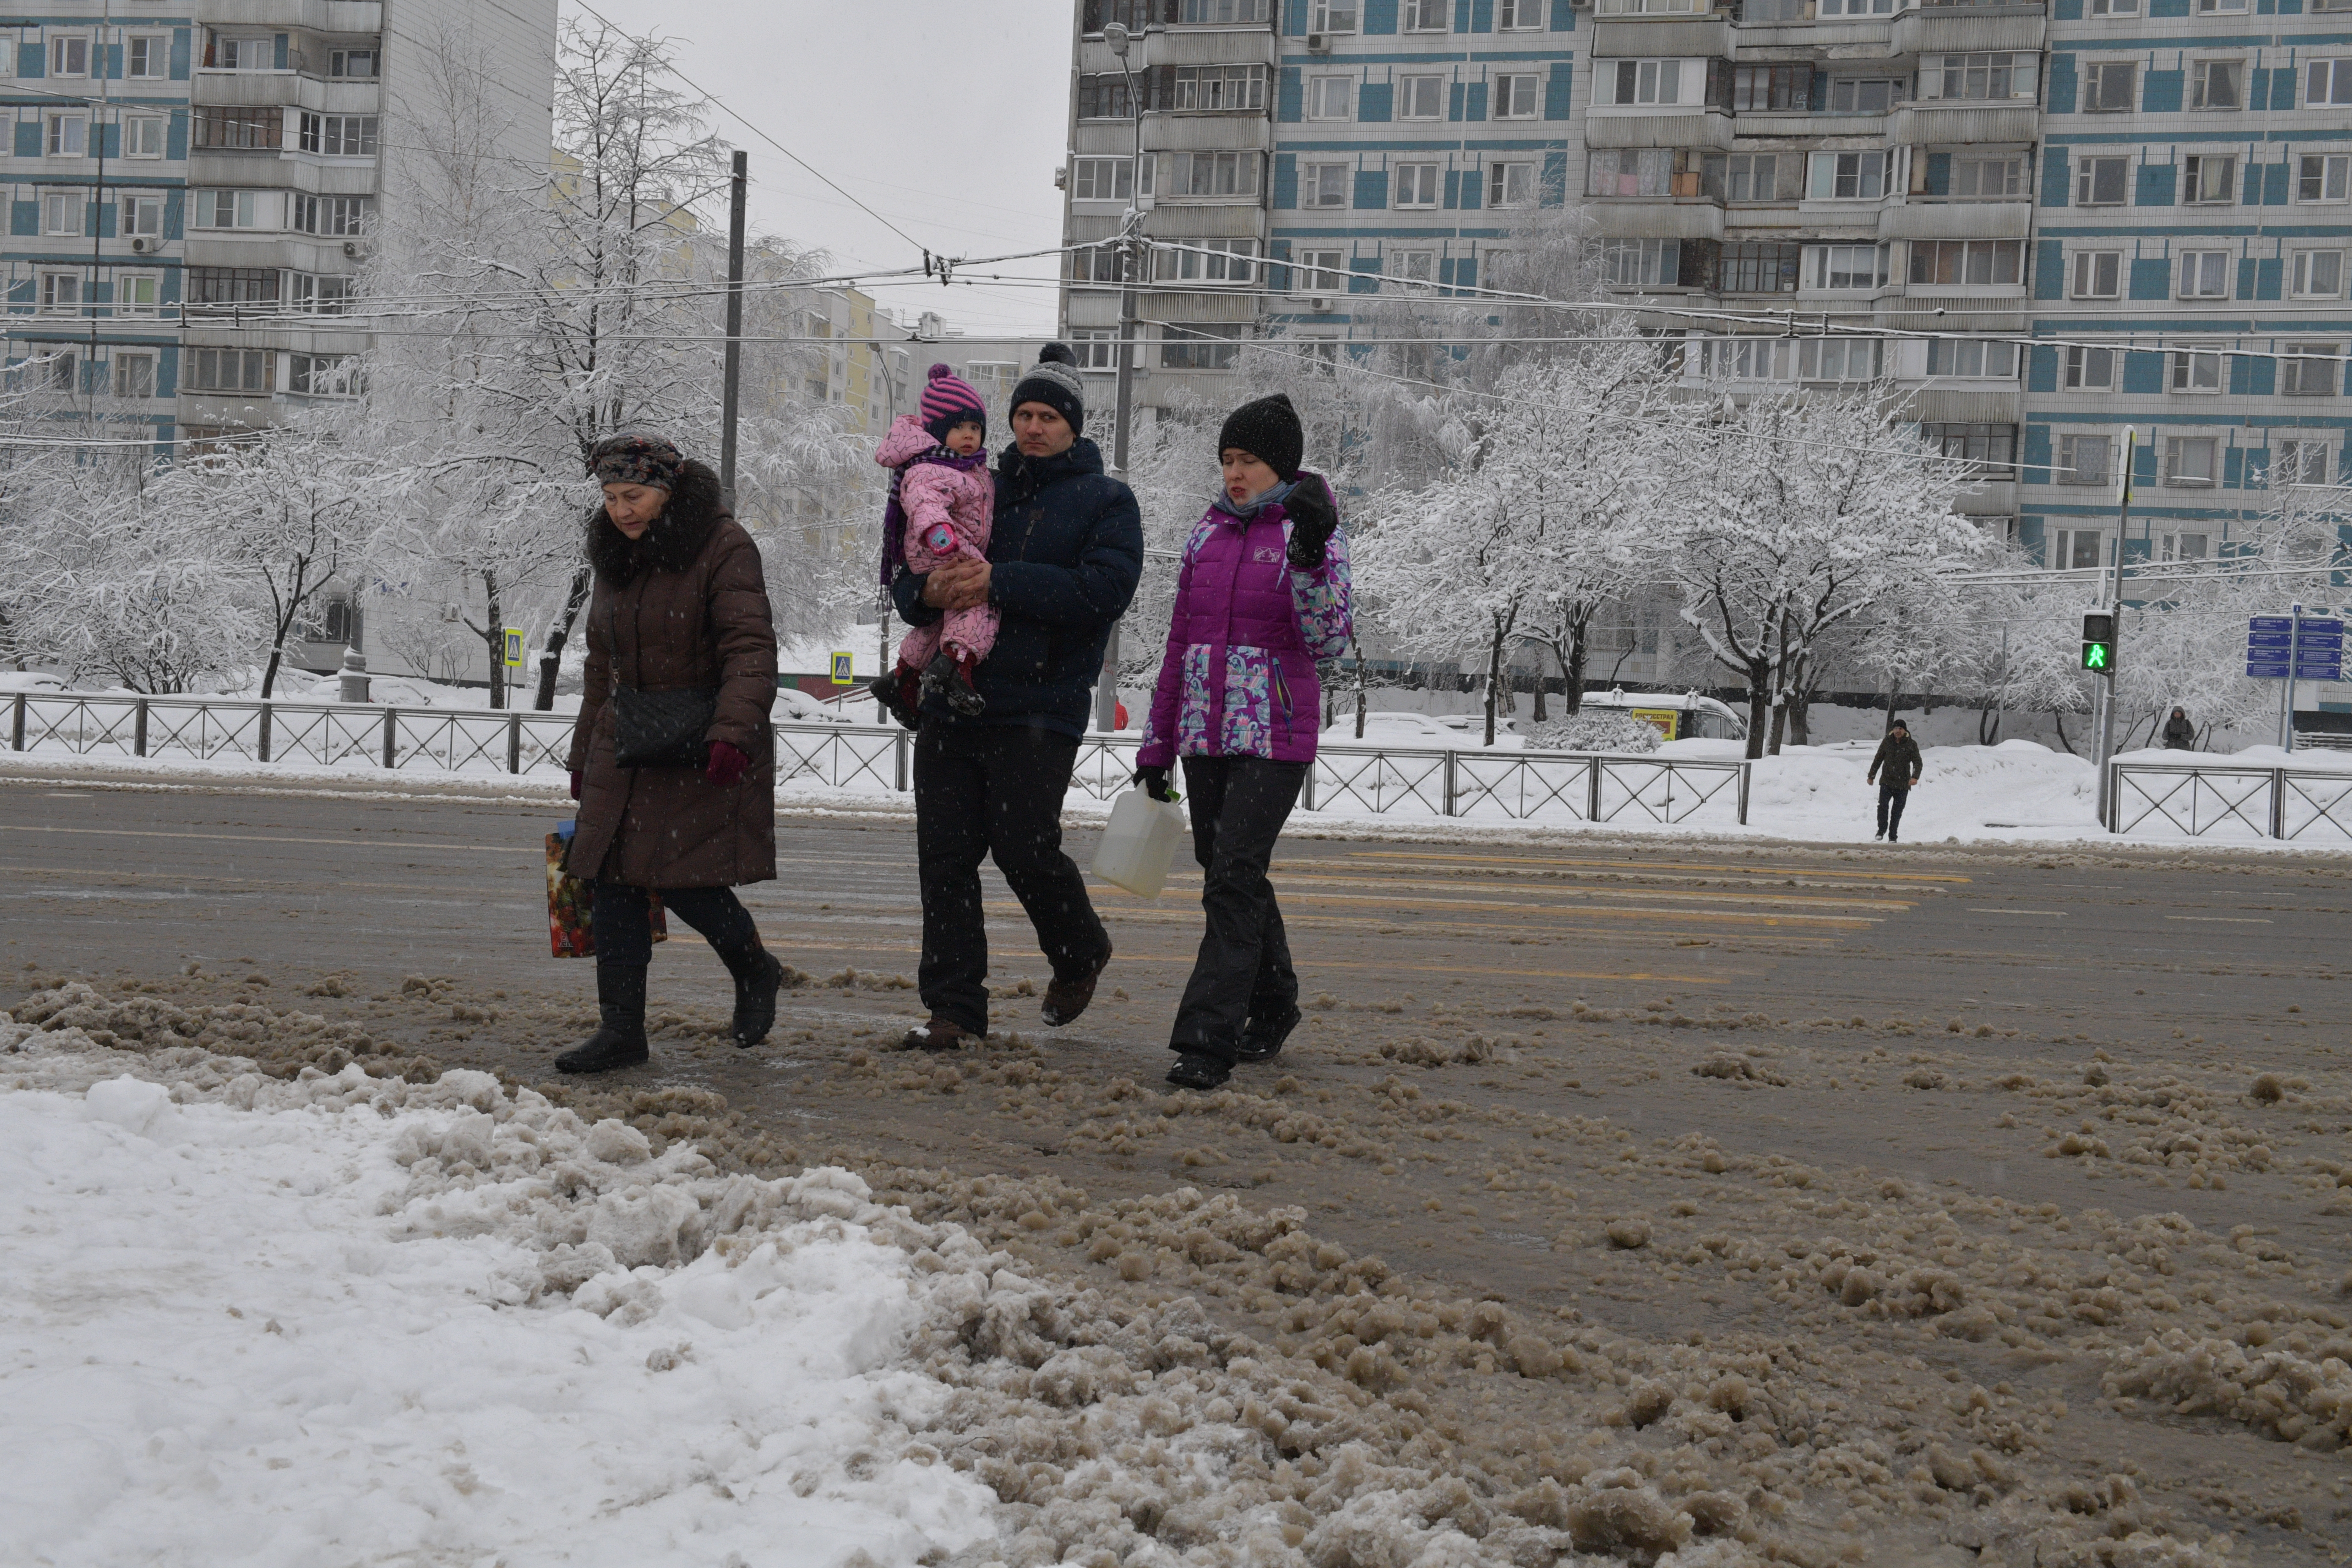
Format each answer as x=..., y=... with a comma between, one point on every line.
x=1238, y=679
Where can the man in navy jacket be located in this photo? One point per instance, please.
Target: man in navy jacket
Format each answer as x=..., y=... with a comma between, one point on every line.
x=1063, y=563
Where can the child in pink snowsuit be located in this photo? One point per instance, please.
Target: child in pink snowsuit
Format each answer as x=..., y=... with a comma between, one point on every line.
x=942, y=498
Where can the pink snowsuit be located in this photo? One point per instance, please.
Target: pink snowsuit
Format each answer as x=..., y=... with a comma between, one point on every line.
x=937, y=496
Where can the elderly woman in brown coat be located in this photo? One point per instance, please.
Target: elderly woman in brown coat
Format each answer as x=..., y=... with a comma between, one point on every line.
x=673, y=760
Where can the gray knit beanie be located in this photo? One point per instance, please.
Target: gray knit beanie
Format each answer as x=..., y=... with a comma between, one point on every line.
x=1056, y=384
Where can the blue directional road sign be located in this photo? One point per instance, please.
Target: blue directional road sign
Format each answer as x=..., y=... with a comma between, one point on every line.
x=2276, y=647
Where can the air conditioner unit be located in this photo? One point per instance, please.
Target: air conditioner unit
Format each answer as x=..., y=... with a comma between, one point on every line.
x=1318, y=43
x=1319, y=306
x=144, y=244
x=351, y=248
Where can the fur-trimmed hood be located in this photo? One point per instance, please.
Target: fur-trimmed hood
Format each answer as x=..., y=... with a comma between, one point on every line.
x=696, y=509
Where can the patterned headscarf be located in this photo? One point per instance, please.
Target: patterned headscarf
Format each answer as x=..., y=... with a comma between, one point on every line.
x=636, y=458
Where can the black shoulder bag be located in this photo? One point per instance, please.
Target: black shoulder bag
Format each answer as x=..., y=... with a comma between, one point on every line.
x=662, y=729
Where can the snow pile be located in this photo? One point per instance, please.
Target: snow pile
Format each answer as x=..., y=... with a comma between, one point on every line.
x=295, y=1323
x=2274, y=1391
x=1595, y=729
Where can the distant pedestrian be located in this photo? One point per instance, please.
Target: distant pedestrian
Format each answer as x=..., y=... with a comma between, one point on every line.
x=1898, y=758
x=1061, y=565
x=942, y=500
x=2179, y=734
x=673, y=758
x=1262, y=595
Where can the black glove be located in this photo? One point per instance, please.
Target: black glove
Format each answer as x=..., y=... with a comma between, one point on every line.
x=1154, y=782
x=1313, y=520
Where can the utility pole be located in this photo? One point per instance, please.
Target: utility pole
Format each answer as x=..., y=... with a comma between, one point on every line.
x=2106, y=688
x=102, y=68
x=2286, y=692
x=1133, y=255
x=732, y=406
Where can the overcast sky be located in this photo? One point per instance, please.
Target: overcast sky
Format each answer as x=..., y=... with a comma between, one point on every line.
x=946, y=117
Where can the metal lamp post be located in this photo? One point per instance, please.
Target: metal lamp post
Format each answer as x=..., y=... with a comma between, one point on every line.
x=1121, y=41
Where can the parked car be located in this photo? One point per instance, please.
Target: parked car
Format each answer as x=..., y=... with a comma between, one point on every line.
x=1689, y=717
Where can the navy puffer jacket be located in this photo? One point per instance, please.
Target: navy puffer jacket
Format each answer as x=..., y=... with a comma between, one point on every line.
x=1066, y=555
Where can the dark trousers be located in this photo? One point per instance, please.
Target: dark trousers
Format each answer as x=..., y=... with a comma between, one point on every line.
x=1239, y=804
x=1891, y=796
x=624, y=925
x=994, y=792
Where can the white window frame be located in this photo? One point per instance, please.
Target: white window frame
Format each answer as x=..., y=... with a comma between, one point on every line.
x=126, y=306
x=339, y=65
x=1107, y=179
x=158, y=50
x=123, y=359
x=1640, y=263
x=2182, y=546
x=1248, y=169
x=1335, y=16
x=1519, y=15
x=63, y=48
x=304, y=366
x=1897, y=95
x=145, y=136
x=2199, y=268
x=2196, y=370
x=1504, y=176
x=2126, y=8
x=2327, y=82
x=2083, y=275
x=65, y=133
x=1097, y=347
x=1740, y=173
x=2086, y=181
x=2197, y=181
x=1823, y=263
x=1321, y=89
x=2092, y=368
x=1416, y=17
x=1519, y=95
x=2098, y=71
x=1311, y=178
x=59, y=292
x=2067, y=545
x=1826, y=171
x=2177, y=448
x=1234, y=262
x=1410, y=88
x=1654, y=83
x=62, y=214
x=2221, y=7
x=2301, y=270
x=2315, y=368
x=2304, y=462
x=2200, y=84
x=1412, y=268
x=1416, y=186
x=1320, y=271
x=131, y=208
x=2068, y=469
x=2330, y=172
x=2012, y=164
x=232, y=50
x=2019, y=72
x=1992, y=359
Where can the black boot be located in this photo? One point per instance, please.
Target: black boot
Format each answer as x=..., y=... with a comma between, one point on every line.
x=892, y=692
x=1195, y=1070
x=620, y=1039
x=755, y=999
x=1262, y=1038
x=951, y=678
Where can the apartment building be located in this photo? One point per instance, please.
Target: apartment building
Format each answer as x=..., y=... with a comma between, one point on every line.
x=192, y=187
x=2191, y=235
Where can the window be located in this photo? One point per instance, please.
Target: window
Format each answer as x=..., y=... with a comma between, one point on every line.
x=141, y=216
x=1417, y=266
x=2077, y=549
x=1653, y=7
x=2318, y=274
x=1771, y=88
x=2114, y=7
x=2213, y=84
x=1421, y=98
x=1107, y=97
x=2195, y=369
x=2327, y=82
x=1098, y=349
x=1107, y=179
x=1980, y=77
x=1211, y=88
x=2299, y=463
x=62, y=293
x=1972, y=359
x=1649, y=82
x=256, y=129
x=1746, y=358
x=1200, y=345
x=338, y=135
x=1652, y=171
x=351, y=63
x=1516, y=96
x=1845, y=266
x=1750, y=268
x=138, y=293
x=147, y=56
x=1762, y=177
x=324, y=375
x=2099, y=274
x=2110, y=86
x=1988, y=179
x=240, y=53
x=1989, y=449
x=333, y=217
x=1427, y=15
x=57, y=367
x=61, y=212
x=321, y=293
x=1838, y=359
x=238, y=209
x=1095, y=264
x=1510, y=184
x=2090, y=369
x=69, y=135
x=1848, y=177
x=2204, y=274
x=1331, y=97
x=1417, y=184
x=2102, y=181
x=1865, y=94
x=1319, y=272
x=2188, y=460
x=1333, y=16
x=2322, y=178
x=1640, y=263
x=134, y=374
x=1324, y=184
x=1208, y=261
x=232, y=285
x=1518, y=16
x=69, y=55
x=1214, y=175
x=1859, y=7
x=2084, y=460
x=1984, y=262
x=230, y=370
x=2208, y=180
x=142, y=135
x=2311, y=370
x=2181, y=547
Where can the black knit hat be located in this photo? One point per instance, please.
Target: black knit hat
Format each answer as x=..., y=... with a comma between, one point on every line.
x=1268, y=430
x=1054, y=383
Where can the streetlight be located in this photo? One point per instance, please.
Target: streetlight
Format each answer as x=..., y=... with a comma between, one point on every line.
x=1119, y=41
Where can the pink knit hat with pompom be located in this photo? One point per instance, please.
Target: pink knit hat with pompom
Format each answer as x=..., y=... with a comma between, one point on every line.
x=948, y=402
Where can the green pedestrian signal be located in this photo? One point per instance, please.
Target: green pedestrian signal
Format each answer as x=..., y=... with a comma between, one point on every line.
x=2099, y=644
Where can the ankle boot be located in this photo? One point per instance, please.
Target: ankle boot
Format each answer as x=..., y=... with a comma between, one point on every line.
x=756, y=984
x=620, y=1038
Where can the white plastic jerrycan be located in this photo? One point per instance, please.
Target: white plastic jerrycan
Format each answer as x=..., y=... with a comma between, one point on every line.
x=1140, y=843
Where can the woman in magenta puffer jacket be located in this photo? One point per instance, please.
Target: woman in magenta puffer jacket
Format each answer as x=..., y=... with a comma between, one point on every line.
x=1264, y=594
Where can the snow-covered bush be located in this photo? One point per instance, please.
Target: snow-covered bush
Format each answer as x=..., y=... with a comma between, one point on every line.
x=1594, y=729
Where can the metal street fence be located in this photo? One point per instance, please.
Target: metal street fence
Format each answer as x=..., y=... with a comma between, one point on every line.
x=2208, y=800
x=1479, y=785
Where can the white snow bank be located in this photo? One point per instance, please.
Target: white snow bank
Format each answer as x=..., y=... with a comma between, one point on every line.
x=251, y=1336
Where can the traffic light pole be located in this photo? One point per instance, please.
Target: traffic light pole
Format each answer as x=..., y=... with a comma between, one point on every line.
x=2107, y=691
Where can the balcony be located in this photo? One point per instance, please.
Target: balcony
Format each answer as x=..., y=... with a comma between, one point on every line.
x=1959, y=29
x=1964, y=122
x=1920, y=219
x=317, y=15
x=1948, y=402
x=1684, y=37
x=1683, y=127
x=1651, y=218
x=1843, y=132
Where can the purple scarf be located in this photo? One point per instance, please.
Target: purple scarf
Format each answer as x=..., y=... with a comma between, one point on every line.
x=894, y=516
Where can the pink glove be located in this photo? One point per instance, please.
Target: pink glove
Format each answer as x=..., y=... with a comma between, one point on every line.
x=726, y=765
x=575, y=784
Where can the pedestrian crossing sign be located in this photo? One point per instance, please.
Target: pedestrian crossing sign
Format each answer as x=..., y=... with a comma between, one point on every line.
x=843, y=666
x=513, y=659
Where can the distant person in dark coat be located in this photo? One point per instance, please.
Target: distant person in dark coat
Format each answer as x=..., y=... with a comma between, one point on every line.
x=2179, y=734
x=1898, y=758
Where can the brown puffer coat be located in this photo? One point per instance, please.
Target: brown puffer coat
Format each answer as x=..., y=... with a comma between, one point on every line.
x=684, y=606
